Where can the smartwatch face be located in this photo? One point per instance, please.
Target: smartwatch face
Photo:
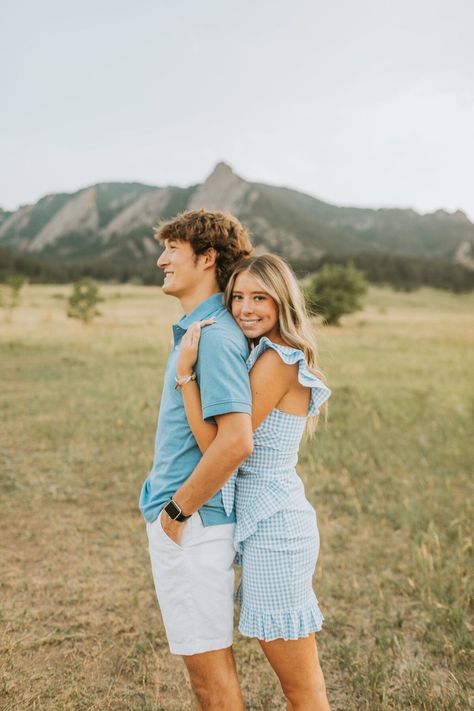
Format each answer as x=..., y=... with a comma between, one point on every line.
x=172, y=510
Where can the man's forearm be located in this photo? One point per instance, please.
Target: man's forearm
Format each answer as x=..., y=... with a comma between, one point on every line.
x=216, y=466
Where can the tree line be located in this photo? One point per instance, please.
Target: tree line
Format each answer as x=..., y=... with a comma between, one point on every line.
x=400, y=272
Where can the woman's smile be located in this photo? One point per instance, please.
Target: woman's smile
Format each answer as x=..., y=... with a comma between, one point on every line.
x=254, y=309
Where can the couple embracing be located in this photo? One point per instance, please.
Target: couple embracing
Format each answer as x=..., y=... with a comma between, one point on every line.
x=223, y=482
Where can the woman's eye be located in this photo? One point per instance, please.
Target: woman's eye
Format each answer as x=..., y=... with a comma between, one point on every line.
x=259, y=298
x=236, y=297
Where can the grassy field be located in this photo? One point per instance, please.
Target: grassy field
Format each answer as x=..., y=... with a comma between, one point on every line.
x=390, y=477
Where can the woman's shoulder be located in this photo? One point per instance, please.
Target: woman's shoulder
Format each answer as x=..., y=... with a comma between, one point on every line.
x=270, y=362
x=287, y=354
x=291, y=356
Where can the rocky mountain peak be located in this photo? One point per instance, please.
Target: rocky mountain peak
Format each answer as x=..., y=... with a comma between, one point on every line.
x=461, y=216
x=221, y=170
x=222, y=190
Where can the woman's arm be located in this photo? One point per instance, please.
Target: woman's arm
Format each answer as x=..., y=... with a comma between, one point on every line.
x=204, y=432
x=270, y=380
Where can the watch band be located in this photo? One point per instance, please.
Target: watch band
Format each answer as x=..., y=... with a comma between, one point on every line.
x=174, y=511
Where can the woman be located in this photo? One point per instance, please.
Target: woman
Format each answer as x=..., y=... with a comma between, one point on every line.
x=276, y=534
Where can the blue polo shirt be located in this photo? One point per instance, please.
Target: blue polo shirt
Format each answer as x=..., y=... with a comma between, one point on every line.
x=221, y=374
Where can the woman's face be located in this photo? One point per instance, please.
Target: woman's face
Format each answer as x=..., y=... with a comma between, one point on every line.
x=254, y=309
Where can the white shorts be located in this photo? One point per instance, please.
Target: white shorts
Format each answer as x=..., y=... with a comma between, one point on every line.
x=194, y=583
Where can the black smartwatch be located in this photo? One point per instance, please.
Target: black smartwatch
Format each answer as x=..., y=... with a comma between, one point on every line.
x=174, y=511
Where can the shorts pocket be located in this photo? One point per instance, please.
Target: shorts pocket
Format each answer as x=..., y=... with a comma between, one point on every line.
x=164, y=536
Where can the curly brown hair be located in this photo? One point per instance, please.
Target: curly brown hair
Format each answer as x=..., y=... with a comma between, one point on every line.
x=209, y=228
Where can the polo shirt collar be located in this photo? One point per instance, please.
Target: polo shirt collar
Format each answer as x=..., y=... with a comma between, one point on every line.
x=203, y=310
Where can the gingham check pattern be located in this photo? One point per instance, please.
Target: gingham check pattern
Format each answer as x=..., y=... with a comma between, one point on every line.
x=276, y=533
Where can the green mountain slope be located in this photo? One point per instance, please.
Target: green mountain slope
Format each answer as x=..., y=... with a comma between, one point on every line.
x=115, y=220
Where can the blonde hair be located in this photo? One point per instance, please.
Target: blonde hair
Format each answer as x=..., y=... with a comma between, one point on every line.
x=278, y=280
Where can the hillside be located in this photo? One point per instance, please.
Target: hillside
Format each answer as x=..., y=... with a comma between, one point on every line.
x=115, y=220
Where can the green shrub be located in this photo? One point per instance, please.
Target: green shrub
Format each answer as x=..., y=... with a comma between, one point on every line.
x=11, y=297
x=82, y=303
x=334, y=291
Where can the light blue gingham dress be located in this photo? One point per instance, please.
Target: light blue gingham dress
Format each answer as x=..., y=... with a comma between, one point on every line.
x=276, y=534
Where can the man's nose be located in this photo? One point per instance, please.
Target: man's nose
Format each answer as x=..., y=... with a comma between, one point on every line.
x=162, y=260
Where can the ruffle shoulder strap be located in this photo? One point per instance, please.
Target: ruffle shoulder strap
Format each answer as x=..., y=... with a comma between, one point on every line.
x=289, y=355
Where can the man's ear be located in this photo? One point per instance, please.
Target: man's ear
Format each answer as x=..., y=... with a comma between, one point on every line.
x=209, y=258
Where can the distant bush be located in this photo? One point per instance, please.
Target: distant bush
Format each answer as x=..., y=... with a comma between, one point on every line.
x=334, y=291
x=10, y=293
x=15, y=284
x=82, y=303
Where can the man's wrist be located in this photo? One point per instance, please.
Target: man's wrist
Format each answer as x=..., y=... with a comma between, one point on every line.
x=175, y=512
x=183, y=502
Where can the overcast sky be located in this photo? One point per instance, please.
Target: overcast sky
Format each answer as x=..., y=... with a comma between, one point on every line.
x=367, y=103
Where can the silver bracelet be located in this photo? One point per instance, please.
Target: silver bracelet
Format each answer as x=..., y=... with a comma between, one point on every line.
x=179, y=382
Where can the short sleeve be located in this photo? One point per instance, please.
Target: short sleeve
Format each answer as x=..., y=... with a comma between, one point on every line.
x=222, y=374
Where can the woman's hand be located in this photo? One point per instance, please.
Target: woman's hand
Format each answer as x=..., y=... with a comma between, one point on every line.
x=189, y=348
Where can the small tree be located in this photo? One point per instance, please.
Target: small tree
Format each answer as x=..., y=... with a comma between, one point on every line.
x=82, y=303
x=334, y=291
x=14, y=285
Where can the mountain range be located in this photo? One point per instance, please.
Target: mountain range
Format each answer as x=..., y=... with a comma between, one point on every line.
x=115, y=220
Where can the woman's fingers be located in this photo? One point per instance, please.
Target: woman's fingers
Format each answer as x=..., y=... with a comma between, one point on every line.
x=195, y=328
x=193, y=334
x=190, y=343
x=199, y=324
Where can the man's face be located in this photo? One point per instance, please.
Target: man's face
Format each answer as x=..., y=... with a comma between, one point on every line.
x=179, y=263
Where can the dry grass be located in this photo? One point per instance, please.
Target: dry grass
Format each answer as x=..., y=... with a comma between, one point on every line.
x=390, y=478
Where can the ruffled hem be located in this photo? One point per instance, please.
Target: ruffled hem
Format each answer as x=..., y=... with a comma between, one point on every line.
x=319, y=391
x=274, y=499
x=282, y=625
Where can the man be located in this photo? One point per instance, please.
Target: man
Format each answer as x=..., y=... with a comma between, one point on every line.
x=189, y=532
